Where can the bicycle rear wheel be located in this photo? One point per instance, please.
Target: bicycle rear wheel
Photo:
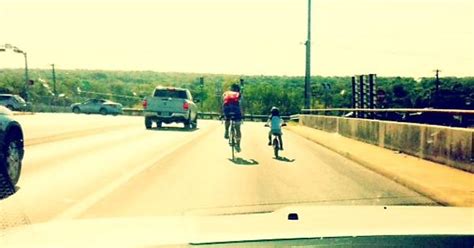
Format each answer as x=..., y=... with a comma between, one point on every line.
x=276, y=147
x=232, y=140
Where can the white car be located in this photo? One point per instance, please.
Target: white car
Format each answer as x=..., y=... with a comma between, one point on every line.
x=97, y=106
x=13, y=102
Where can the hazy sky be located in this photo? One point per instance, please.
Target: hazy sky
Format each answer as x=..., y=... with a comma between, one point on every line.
x=404, y=37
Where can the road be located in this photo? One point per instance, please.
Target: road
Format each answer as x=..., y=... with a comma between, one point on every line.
x=90, y=166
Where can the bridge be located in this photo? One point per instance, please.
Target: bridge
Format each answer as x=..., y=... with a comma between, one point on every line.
x=81, y=166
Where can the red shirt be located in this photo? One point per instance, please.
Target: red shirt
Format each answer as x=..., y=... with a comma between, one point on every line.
x=231, y=97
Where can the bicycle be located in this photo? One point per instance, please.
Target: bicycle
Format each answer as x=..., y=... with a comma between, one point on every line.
x=232, y=139
x=275, y=142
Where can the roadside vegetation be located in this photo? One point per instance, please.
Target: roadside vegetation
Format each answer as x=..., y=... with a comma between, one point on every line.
x=260, y=92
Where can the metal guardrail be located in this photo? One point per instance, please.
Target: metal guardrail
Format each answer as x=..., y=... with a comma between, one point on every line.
x=250, y=117
x=213, y=115
x=409, y=110
x=444, y=117
x=294, y=117
x=208, y=115
x=132, y=111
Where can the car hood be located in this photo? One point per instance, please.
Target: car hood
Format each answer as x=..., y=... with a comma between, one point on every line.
x=313, y=222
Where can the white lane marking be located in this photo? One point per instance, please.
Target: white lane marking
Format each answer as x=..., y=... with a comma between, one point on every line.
x=92, y=199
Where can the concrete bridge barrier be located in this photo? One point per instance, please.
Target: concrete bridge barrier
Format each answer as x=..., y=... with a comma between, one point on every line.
x=450, y=146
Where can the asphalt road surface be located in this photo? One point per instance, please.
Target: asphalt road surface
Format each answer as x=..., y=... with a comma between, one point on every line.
x=91, y=166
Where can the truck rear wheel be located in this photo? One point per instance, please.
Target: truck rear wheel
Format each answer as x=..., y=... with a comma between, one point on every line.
x=187, y=124
x=195, y=123
x=148, y=123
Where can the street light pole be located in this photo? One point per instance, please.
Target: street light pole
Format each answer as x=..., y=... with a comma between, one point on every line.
x=17, y=50
x=307, y=79
x=54, y=81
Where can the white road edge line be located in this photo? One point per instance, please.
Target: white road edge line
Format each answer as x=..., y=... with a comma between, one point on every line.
x=92, y=199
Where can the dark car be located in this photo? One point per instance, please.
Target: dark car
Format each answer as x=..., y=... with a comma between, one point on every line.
x=11, y=152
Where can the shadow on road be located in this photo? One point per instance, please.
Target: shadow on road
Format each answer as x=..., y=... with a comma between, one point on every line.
x=285, y=159
x=173, y=129
x=241, y=161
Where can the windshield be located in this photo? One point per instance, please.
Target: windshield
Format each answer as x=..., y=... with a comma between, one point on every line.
x=19, y=99
x=372, y=106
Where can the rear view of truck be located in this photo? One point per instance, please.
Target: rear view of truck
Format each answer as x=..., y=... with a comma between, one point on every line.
x=168, y=105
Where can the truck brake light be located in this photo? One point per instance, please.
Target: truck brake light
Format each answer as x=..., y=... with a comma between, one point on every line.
x=185, y=105
x=145, y=104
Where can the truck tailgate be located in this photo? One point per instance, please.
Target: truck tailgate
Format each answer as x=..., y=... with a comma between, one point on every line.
x=163, y=104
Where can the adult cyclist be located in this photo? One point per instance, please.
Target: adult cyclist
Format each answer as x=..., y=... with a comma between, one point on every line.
x=232, y=110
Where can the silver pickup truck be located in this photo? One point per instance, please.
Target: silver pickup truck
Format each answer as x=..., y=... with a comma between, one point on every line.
x=170, y=104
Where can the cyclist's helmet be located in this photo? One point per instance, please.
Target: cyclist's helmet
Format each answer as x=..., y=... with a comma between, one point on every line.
x=235, y=87
x=275, y=111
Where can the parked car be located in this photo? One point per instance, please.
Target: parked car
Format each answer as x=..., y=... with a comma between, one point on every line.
x=97, y=106
x=170, y=104
x=11, y=152
x=13, y=102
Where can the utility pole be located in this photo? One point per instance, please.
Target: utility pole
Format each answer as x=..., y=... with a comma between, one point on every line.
x=307, y=79
x=54, y=81
x=437, y=80
x=219, y=95
x=27, y=79
x=435, y=98
x=242, y=86
x=201, y=84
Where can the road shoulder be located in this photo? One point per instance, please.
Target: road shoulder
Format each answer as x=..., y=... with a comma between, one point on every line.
x=444, y=184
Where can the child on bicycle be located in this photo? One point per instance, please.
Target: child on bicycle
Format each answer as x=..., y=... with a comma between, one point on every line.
x=275, y=122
